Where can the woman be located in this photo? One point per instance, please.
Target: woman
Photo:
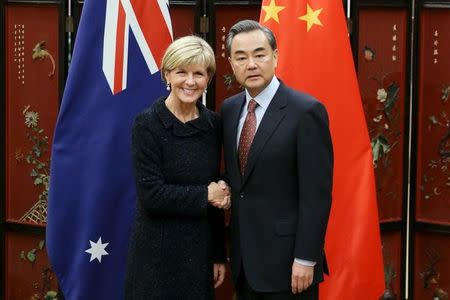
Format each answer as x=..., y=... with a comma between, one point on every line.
x=177, y=246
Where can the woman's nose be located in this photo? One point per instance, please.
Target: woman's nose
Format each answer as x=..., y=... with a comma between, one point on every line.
x=190, y=79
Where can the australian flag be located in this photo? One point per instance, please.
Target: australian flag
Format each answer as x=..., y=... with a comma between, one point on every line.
x=114, y=75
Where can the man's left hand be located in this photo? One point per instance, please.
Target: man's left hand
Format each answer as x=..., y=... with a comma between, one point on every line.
x=302, y=277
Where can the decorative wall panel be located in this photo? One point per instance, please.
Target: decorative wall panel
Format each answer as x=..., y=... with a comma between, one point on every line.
x=27, y=270
x=32, y=93
x=381, y=74
x=227, y=16
x=433, y=163
x=392, y=257
x=182, y=20
x=431, y=265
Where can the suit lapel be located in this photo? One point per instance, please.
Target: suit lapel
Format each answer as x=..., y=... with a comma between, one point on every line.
x=272, y=117
x=234, y=119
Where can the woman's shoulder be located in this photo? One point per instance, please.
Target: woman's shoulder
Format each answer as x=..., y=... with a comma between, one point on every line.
x=151, y=113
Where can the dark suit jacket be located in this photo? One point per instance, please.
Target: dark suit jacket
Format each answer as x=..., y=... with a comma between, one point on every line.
x=280, y=207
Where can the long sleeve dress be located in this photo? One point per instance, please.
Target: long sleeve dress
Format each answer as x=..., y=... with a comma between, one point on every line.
x=177, y=236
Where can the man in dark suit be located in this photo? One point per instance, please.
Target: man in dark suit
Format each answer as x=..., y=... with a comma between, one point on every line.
x=279, y=164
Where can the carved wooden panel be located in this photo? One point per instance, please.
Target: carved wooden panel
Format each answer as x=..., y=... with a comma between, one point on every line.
x=433, y=163
x=182, y=20
x=32, y=93
x=431, y=266
x=392, y=258
x=227, y=16
x=27, y=269
x=381, y=74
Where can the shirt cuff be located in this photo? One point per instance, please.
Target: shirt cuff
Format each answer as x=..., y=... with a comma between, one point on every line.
x=307, y=263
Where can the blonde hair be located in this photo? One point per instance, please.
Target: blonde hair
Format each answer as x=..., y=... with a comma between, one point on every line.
x=188, y=50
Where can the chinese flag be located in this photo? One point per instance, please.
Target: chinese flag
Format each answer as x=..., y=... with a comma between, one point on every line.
x=315, y=57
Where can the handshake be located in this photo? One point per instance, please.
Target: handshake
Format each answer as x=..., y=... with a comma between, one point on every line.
x=219, y=194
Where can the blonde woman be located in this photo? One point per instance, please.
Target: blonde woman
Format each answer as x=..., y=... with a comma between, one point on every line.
x=177, y=245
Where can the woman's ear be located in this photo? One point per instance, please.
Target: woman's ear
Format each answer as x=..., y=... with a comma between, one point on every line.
x=166, y=76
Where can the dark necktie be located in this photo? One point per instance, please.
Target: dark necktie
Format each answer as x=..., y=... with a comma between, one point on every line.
x=247, y=135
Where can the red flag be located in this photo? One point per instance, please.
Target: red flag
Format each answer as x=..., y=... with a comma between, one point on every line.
x=315, y=57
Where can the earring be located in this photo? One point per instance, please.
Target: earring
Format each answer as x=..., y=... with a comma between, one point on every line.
x=205, y=91
x=168, y=86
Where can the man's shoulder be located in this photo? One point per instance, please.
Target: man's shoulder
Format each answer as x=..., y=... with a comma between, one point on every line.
x=228, y=102
x=235, y=97
x=299, y=98
x=296, y=94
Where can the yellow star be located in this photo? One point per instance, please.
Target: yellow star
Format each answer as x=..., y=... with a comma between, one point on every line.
x=311, y=17
x=272, y=11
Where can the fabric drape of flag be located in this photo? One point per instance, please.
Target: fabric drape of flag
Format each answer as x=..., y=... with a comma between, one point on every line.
x=113, y=76
x=315, y=57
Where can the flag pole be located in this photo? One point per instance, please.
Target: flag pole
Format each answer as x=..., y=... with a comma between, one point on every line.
x=69, y=33
x=349, y=20
x=410, y=133
x=348, y=8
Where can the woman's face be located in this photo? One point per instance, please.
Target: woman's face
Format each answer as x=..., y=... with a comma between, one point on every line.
x=187, y=83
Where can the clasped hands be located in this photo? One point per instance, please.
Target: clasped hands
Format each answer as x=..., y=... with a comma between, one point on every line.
x=219, y=194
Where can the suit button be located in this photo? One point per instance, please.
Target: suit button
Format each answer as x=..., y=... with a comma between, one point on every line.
x=242, y=196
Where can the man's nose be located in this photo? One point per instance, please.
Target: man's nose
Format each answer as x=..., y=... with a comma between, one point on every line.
x=251, y=63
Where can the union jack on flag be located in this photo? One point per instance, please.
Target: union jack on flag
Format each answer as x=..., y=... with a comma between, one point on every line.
x=114, y=75
x=150, y=23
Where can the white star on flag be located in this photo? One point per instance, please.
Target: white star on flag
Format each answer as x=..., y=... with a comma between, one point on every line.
x=97, y=250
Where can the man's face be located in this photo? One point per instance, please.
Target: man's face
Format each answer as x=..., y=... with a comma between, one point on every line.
x=253, y=61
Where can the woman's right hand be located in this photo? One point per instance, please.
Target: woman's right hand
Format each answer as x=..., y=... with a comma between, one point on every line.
x=219, y=194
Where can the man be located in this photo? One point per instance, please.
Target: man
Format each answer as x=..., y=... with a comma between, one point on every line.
x=279, y=164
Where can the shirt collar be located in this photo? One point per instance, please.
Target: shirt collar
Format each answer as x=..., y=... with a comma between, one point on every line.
x=263, y=99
